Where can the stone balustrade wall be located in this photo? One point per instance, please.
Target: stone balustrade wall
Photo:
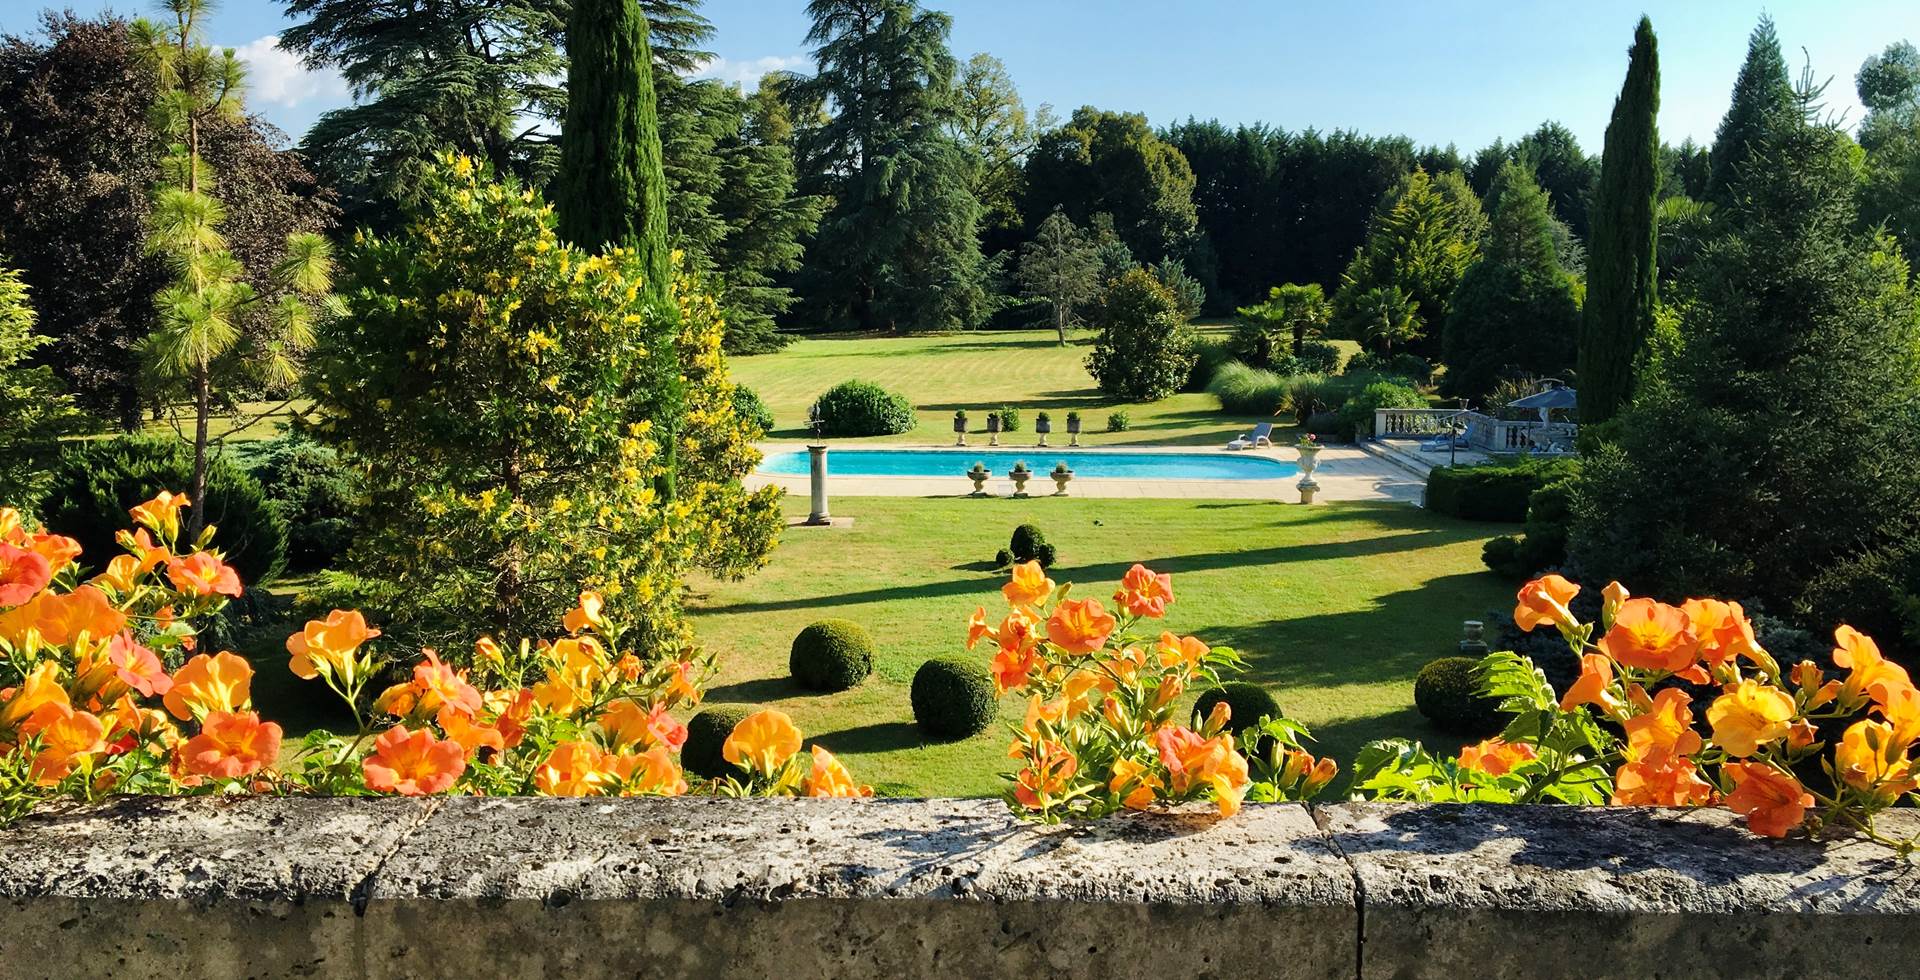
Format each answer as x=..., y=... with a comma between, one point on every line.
x=792, y=889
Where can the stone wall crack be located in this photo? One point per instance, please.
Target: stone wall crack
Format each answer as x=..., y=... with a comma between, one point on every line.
x=1359, y=891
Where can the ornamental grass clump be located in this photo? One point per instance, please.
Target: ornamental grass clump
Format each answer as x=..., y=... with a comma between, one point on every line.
x=89, y=707
x=1099, y=733
x=1627, y=731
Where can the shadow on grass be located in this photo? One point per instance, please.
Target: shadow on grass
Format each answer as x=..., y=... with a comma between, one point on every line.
x=881, y=736
x=1406, y=540
x=1402, y=630
x=758, y=691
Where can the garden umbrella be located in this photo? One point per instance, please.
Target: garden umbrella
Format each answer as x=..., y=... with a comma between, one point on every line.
x=1546, y=401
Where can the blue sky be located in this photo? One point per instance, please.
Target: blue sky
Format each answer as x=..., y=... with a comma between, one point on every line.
x=1460, y=71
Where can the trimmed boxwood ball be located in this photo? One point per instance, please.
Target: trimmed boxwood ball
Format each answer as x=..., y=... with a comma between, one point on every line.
x=1026, y=542
x=706, y=734
x=953, y=697
x=1447, y=692
x=861, y=408
x=831, y=655
x=1248, y=701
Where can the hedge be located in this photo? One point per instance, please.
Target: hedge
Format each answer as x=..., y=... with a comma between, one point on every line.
x=1491, y=492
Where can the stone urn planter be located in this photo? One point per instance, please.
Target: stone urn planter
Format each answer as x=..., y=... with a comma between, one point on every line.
x=1061, y=476
x=979, y=475
x=1020, y=475
x=960, y=428
x=1042, y=424
x=993, y=428
x=1073, y=428
x=1309, y=450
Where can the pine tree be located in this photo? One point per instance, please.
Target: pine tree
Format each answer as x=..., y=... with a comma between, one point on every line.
x=1622, y=267
x=1517, y=309
x=1762, y=96
x=1060, y=268
x=207, y=336
x=1424, y=235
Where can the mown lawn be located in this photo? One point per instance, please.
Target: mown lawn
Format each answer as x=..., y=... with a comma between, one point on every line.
x=1336, y=607
x=979, y=372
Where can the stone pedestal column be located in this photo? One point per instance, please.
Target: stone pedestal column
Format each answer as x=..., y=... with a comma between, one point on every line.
x=817, y=470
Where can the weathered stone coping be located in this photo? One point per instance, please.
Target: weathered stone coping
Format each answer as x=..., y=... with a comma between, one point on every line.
x=951, y=888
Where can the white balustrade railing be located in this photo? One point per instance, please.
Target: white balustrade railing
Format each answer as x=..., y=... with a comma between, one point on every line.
x=1483, y=432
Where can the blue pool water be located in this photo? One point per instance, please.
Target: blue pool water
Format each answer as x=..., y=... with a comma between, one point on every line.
x=1083, y=462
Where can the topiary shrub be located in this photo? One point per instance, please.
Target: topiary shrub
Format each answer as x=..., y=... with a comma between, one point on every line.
x=953, y=697
x=748, y=405
x=1447, y=692
x=706, y=735
x=1543, y=543
x=831, y=655
x=313, y=493
x=1030, y=544
x=1003, y=558
x=1119, y=421
x=861, y=408
x=1492, y=492
x=1009, y=419
x=94, y=483
x=1249, y=702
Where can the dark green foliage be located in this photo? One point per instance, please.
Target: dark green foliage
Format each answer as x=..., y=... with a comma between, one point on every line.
x=315, y=494
x=1113, y=163
x=77, y=158
x=1327, y=425
x=36, y=410
x=1491, y=492
x=862, y=408
x=1275, y=206
x=611, y=188
x=1319, y=357
x=1248, y=703
x=1118, y=421
x=1145, y=348
x=1447, y=692
x=1027, y=543
x=95, y=482
x=1009, y=419
x=1542, y=542
x=1563, y=169
x=1003, y=558
x=1517, y=311
x=1763, y=100
x=433, y=78
x=1889, y=86
x=1622, y=265
x=1411, y=367
x=953, y=697
x=831, y=655
x=1060, y=267
x=1775, y=452
x=752, y=410
x=1356, y=414
x=707, y=735
x=1046, y=555
x=1188, y=294
x=1423, y=236
x=899, y=247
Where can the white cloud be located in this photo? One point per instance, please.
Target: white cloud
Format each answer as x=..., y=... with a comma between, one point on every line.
x=748, y=72
x=277, y=77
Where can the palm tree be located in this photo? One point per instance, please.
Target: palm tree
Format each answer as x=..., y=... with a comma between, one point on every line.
x=1387, y=316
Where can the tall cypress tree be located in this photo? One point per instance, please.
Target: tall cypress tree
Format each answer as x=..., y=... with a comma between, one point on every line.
x=1621, y=270
x=612, y=186
x=1762, y=96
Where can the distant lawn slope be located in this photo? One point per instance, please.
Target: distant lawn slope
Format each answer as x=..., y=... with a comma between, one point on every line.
x=979, y=372
x=1335, y=607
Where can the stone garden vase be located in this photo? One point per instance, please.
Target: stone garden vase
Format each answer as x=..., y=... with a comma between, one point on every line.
x=1019, y=478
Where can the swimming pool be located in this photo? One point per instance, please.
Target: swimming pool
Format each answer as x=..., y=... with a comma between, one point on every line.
x=1084, y=463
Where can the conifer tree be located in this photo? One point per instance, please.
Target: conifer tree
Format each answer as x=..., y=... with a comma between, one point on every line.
x=205, y=337
x=1517, y=309
x=1762, y=96
x=1622, y=267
